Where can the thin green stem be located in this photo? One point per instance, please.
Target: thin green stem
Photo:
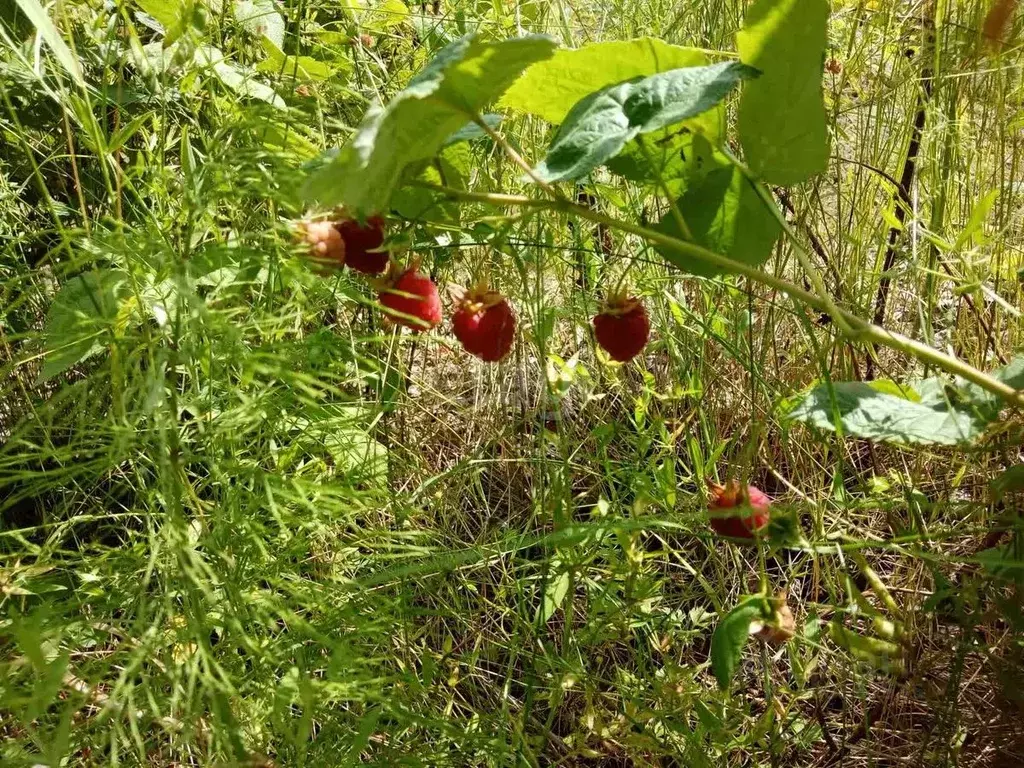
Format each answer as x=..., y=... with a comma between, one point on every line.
x=798, y=248
x=860, y=328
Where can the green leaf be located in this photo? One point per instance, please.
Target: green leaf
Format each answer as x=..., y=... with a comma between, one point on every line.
x=676, y=156
x=731, y=635
x=385, y=16
x=81, y=313
x=1010, y=481
x=260, y=18
x=451, y=169
x=979, y=213
x=598, y=127
x=782, y=124
x=167, y=12
x=122, y=136
x=473, y=132
x=550, y=88
x=235, y=78
x=48, y=32
x=298, y=67
x=864, y=410
x=554, y=594
x=724, y=214
x=989, y=404
x=463, y=78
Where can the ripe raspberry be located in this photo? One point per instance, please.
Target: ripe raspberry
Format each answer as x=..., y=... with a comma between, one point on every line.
x=752, y=510
x=326, y=246
x=622, y=328
x=485, y=325
x=362, y=242
x=412, y=300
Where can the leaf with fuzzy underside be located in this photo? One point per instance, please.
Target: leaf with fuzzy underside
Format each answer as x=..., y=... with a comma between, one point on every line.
x=599, y=126
x=462, y=79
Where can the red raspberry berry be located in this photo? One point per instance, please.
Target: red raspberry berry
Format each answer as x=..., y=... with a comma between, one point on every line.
x=362, y=244
x=622, y=329
x=752, y=510
x=485, y=325
x=412, y=300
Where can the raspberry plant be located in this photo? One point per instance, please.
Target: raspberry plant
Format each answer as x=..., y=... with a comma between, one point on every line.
x=275, y=489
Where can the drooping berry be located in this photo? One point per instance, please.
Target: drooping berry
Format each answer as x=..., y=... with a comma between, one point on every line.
x=622, y=328
x=412, y=300
x=326, y=245
x=363, y=243
x=738, y=513
x=485, y=324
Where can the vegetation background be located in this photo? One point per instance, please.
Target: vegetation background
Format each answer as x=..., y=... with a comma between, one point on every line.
x=246, y=523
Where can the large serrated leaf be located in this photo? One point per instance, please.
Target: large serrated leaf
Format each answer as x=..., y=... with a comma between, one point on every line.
x=237, y=79
x=731, y=635
x=550, y=88
x=463, y=78
x=675, y=157
x=598, y=127
x=261, y=19
x=865, y=410
x=725, y=214
x=83, y=310
x=782, y=124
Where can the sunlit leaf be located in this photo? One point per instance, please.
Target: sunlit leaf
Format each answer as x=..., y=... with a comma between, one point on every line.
x=385, y=16
x=979, y=213
x=472, y=131
x=725, y=214
x=461, y=80
x=78, y=320
x=550, y=88
x=554, y=593
x=674, y=157
x=866, y=411
x=167, y=12
x=236, y=78
x=261, y=19
x=782, y=114
x=880, y=654
x=286, y=65
x=731, y=635
x=988, y=403
x=599, y=126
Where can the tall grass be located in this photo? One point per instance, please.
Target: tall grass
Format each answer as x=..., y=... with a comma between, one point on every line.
x=260, y=526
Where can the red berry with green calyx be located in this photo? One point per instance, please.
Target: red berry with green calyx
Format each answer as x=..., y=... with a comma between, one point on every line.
x=736, y=512
x=622, y=328
x=362, y=244
x=485, y=324
x=412, y=300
